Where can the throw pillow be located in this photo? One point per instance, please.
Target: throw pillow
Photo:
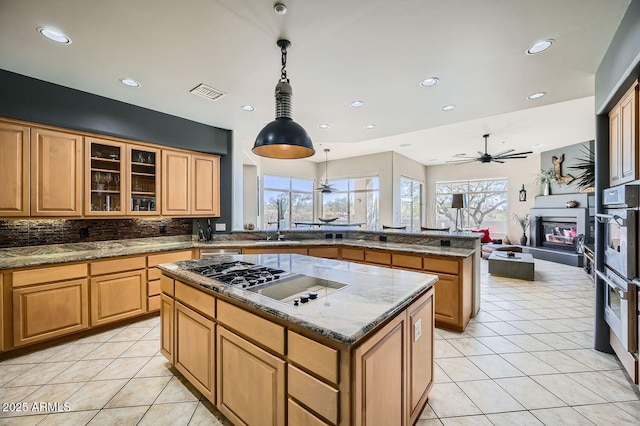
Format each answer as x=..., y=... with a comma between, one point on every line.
x=486, y=238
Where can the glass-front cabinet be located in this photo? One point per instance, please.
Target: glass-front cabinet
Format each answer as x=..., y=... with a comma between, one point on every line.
x=105, y=176
x=144, y=184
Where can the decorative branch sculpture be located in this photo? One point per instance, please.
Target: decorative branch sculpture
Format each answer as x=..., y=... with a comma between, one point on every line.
x=557, y=169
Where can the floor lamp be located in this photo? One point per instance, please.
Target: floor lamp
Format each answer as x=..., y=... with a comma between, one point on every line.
x=458, y=201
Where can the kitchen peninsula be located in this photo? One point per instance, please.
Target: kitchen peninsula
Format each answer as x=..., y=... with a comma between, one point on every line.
x=358, y=351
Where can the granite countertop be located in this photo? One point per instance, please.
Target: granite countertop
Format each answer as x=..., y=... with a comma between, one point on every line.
x=372, y=295
x=21, y=257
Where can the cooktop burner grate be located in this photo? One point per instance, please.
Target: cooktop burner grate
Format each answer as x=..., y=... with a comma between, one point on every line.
x=242, y=274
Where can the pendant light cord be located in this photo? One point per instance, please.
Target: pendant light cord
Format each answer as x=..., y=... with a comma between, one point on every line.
x=283, y=70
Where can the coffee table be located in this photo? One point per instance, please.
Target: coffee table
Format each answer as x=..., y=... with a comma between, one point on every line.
x=520, y=266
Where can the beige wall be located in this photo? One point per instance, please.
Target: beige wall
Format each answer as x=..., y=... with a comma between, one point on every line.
x=518, y=172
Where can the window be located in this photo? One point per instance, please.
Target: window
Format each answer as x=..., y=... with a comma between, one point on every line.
x=486, y=204
x=410, y=203
x=354, y=201
x=294, y=196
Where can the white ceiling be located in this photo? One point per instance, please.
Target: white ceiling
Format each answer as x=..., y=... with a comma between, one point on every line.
x=376, y=51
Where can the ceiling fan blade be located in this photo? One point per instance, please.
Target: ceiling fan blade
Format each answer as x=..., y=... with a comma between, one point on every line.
x=511, y=157
x=503, y=152
x=497, y=161
x=456, y=162
x=481, y=153
x=517, y=153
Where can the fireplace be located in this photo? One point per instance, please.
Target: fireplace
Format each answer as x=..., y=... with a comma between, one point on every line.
x=557, y=233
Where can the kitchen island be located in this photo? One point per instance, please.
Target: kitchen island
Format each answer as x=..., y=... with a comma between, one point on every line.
x=358, y=352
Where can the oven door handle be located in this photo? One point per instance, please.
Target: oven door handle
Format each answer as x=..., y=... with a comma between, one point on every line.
x=604, y=218
x=621, y=293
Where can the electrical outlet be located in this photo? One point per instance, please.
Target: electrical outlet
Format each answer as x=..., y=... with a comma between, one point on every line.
x=417, y=330
x=328, y=236
x=221, y=226
x=338, y=235
x=445, y=243
x=383, y=238
x=163, y=229
x=84, y=232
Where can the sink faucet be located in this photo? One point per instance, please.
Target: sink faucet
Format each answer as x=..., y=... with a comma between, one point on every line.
x=277, y=222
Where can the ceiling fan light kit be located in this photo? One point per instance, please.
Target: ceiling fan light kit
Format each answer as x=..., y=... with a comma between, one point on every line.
x=485, y=157
x=283, y=137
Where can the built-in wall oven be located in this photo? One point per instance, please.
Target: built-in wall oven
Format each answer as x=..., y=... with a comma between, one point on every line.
x=620, y=274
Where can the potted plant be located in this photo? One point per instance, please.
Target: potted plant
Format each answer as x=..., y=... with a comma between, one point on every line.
x=545, y=177
x=587, y=166
x=523, y=221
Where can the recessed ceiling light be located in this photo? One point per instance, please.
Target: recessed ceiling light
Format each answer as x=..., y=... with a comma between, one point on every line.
x=54, y=35
x=428, y=82
x=357, y=104
x=129, y=82
x=248, y=108
x=448, y=107
x=536, y=95
x=539, y=47
x=280, y=8
x=370, y=126
x=323, y=126
x=404, y=145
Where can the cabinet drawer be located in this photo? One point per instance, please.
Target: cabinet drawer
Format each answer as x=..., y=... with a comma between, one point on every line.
x=117, y=265
x=167, y=285
x=153, y=288
x=250, y=325
x=353, y=254
x=154, y=274
x=313, y=356
x=47, y=275
x=197, y=299
x=153, y=303
x=326, y=252
x=174, y=256
x=300, y=417
x=406, y=261
x=379, y=257
x=318, y=396
x=438, y=264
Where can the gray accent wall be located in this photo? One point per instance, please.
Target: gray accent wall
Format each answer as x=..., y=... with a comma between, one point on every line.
x=572, y=154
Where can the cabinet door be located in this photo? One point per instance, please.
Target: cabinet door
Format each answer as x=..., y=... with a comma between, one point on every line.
x=195, y=349
x=176, y=183
x=380, y=366
x=206, y=185
x=251, y=382
x=420, y=350
x=614, y=147
x=447, y=308
x=105, y=178
x=144, y=180
x=14, y=170
x=629, y=136
x=166, y=327
x=118, y=296
x=45, y=311
x=56, y=173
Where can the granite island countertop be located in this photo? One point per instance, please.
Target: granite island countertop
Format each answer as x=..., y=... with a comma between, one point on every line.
x=21, y=257
x=372, y=294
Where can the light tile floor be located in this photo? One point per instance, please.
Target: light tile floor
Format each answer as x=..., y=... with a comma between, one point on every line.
x=525, y=360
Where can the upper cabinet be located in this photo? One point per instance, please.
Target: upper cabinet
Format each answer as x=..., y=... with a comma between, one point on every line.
x=56, y=173
x=144, y=180
x=14, y=169
x=190, y=184
x=623, y=139
x=104, y=177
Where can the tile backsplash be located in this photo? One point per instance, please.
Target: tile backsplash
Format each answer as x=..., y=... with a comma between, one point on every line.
x=35, y=232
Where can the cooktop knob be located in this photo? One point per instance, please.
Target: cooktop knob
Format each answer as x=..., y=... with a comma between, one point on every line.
x=295, y=302
x=313, y=295
x=304, y=298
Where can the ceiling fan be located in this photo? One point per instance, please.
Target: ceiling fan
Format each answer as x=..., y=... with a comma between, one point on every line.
x=485, y=157
x=325, y=187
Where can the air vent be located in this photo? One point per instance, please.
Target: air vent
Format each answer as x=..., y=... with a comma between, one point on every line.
x=207, y=92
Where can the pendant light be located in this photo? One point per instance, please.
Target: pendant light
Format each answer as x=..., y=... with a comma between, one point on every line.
x=283, y=137
x=325, y=187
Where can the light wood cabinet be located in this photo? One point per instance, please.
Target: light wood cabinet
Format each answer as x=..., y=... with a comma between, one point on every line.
x=56, y=173
x=166, y=327
x=195, y=355
x=329, y=252
x=275, y=250
x=1, y=313
x=143, y=188
x=420, y=351
x=381, y=363
x=205, y=185
x=14, y=170
x=105, y=178
x=453, y=292
x=42, y=312
x=118, y=296
x=251, y=382
x=352, y=254
x=300, y=416
x=176, y=183
x=154, y=274
x=623, y=139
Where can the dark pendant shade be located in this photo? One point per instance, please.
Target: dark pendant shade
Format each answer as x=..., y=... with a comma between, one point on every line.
x=283, y=138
